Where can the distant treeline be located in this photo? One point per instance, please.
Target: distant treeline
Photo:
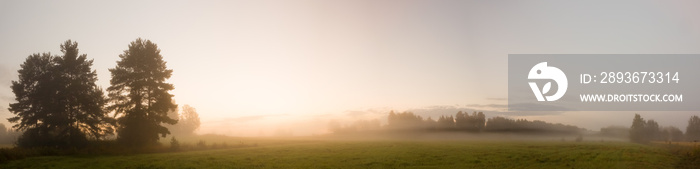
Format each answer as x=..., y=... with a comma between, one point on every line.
x=8, y=135
x=463, y=122
x=644, y=131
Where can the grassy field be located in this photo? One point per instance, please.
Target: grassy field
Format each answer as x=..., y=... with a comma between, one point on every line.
x=300, y=153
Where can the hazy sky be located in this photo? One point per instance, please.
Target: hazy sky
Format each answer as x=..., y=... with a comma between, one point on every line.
x=248, y=64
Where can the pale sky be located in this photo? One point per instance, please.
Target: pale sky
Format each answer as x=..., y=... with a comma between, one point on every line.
x=251, y=67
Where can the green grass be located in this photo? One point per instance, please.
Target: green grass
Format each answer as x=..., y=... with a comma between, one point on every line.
x=383, y=154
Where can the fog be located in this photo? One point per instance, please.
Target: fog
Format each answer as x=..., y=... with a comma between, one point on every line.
x=264, y=69
x=314, y=125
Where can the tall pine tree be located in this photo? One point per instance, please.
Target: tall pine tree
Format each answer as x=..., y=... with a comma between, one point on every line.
x=638, y=130
x=58, y=103
x=692, y=132
x=139, y=94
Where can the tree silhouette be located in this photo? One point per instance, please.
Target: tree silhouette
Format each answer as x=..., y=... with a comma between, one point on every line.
x=58, y=103
x=637, y=129
x=461, y=120
x=139, y=94
x=7, y=135
x=189, y=120
x=474, y=122
x=671, y=134
x=644, y=131
x=502, y=124
x=480, y=120
x=431, y=124
x=692, y=132
x=652, y=131
x=446, y=123
x=405, y=121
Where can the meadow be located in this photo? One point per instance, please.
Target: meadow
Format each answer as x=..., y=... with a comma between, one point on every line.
x=382, y=153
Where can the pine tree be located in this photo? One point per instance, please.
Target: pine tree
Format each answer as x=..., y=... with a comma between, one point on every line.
x=637, y=130
x=58, y=103
x=692, y=132
x=652, y=130
x=34, y=92
x=139, y=94
x=461, y=120
x=481, y=121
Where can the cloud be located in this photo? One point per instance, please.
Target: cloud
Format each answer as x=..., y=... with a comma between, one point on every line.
x=355, y=113
x=525, y=113
x=497, y=99
x=537, y=107
x=367, y=112
x=245, y=118
x=440, y=110
x=493, y=106
x=490, y=110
